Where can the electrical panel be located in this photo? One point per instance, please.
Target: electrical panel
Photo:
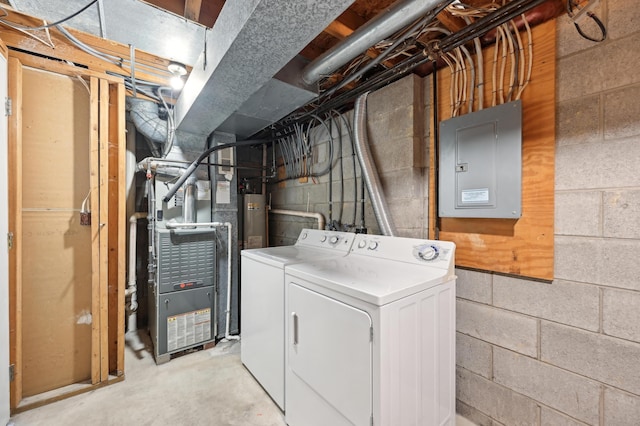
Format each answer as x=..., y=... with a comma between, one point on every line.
x=480, y=168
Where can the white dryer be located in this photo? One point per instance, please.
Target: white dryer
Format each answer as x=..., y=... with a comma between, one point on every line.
x=262, y=315
x=371, y=336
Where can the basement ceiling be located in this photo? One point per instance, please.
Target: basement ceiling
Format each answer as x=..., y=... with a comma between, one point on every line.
x=206, y=12
x=256, y=41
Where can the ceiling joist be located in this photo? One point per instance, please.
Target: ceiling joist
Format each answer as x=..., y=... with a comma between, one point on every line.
x=192, y=9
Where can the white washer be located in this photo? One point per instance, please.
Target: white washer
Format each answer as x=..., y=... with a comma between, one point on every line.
x=262, y=302
x=371, y=336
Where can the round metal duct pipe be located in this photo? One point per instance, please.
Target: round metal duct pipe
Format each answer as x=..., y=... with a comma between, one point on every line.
x=397, y=16
x=369, y=170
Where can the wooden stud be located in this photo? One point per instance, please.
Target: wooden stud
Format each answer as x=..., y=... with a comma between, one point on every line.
x=94, y=168
x=117, y=230
x=15, y=226
x=104, y=228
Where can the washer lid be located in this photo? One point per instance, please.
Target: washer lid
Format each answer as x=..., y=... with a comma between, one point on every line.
x=373, y=280
x=285, y=255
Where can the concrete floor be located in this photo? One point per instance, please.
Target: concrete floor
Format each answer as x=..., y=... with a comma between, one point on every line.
x=208, y=387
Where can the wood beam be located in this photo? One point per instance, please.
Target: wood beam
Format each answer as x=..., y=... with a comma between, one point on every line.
x=192, y=9
x=338, y=30
x=451, y=22
x=148, y=66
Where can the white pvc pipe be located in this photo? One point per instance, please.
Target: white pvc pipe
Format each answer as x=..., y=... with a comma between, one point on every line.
x=318, y=216
x=132, y=287
x=171, y=225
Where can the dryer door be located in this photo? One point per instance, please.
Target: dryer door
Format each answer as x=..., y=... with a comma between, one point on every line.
x=329, y=372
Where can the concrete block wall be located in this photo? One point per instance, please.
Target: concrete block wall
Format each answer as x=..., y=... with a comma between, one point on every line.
x=397, y=131
x=568, y=352
x=528, y=352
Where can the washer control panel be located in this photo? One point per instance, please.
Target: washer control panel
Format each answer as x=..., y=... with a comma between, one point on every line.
x=340, y=241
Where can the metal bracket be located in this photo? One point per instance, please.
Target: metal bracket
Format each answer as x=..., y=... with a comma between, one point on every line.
x=10, y=240
x=8, y=106
x=12, y=372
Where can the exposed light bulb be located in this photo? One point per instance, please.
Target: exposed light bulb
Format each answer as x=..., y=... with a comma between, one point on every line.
x=176, y=82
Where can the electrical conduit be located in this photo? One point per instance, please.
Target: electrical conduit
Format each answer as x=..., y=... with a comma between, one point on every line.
x=368, y=167
x=397, y=16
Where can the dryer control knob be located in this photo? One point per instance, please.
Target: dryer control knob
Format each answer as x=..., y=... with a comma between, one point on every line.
x=303, y=236
x=362, y=244
x=334, y=239
x=428, y=252
x=373, y=245
x=323, y=238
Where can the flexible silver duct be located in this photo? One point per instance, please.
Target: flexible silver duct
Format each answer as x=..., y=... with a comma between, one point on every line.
x=369, y=170
x=393, y=19
x=144, y=115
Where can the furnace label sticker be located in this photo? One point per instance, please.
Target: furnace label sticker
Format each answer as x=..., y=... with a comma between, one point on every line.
x=188, y=329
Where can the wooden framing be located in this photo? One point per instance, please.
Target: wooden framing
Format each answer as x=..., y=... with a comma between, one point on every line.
x=192, y=9
x=108, y=227
x=96, y=260
x=15, y=226
x=524, y=246
x=105, y=226
x=117, y=235
x=148, y=67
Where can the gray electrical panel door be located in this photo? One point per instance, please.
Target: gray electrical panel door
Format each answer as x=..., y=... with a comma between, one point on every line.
x=480, y=170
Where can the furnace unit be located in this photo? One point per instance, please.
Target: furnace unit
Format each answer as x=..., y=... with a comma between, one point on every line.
x=182, y=277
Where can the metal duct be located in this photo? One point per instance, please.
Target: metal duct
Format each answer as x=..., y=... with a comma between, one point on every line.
x=368, y=166
x=250, y=42
x=397, y=16
x=189, y=211
x=144, y=115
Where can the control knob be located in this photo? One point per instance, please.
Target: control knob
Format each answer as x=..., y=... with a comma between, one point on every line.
x=334, y=240
x=373, y=245
x=428, y=252
x=362, y=244
x=303, y=236
x=323, y=238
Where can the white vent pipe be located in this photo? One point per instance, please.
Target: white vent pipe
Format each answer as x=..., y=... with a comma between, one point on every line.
x=389, y=21
x=318, y=216
x=368, y=166
x=132, y=286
